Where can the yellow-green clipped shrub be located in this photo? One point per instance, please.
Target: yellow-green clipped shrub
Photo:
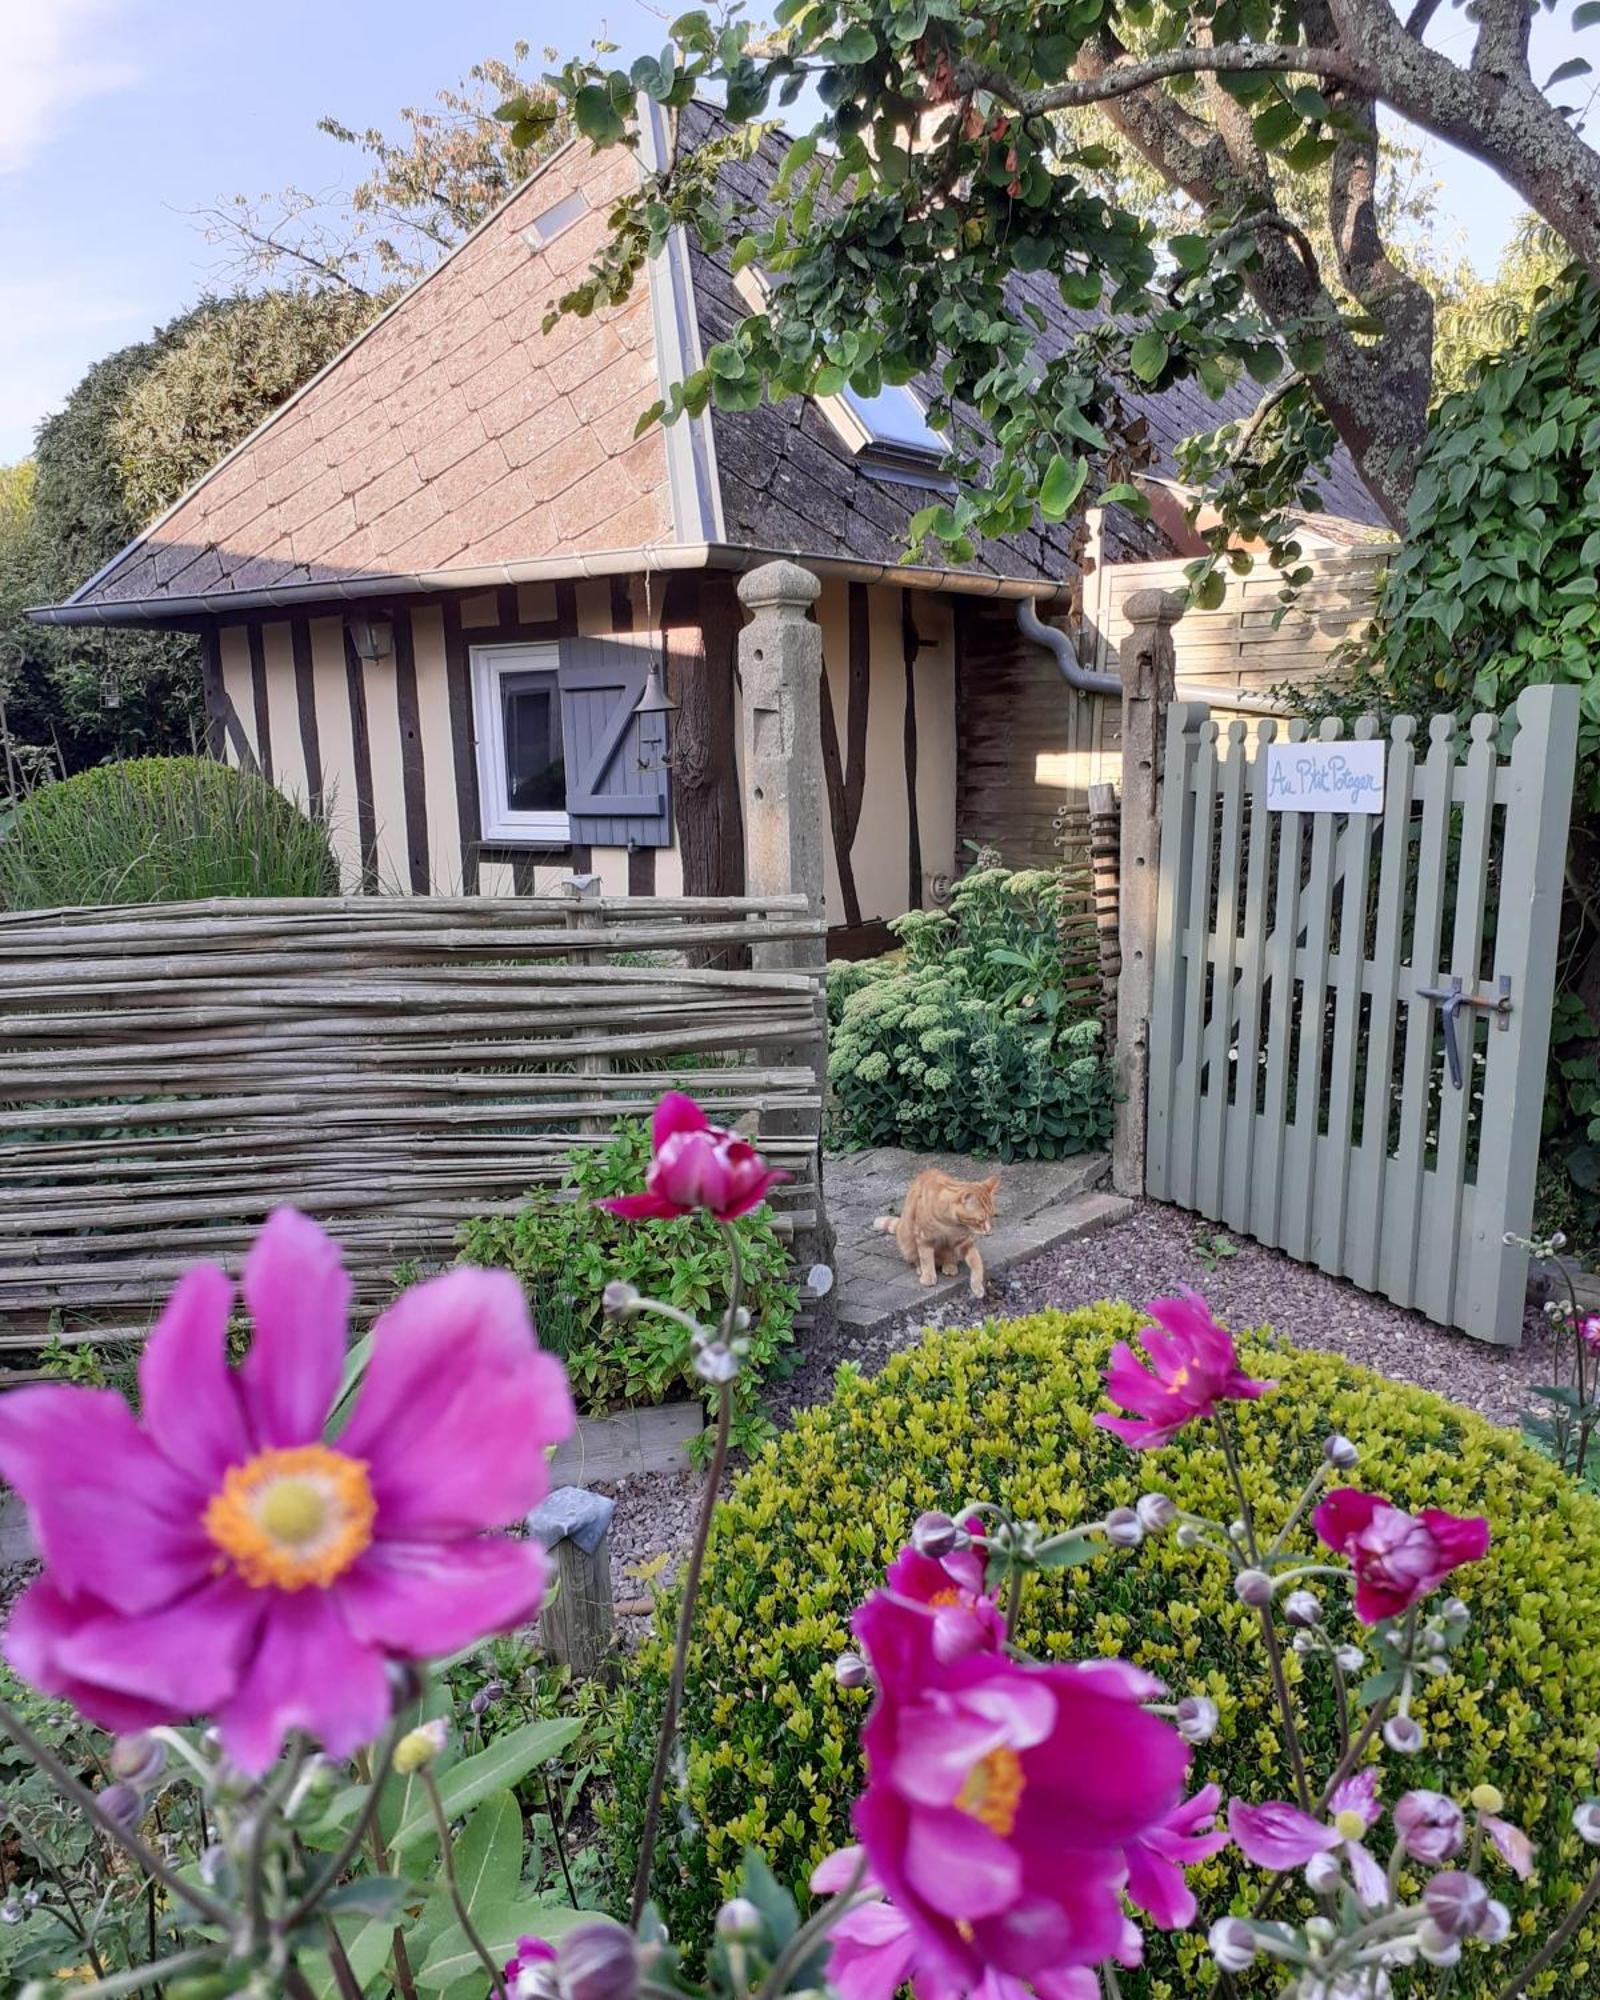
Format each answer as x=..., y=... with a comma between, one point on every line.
x=770, y=1739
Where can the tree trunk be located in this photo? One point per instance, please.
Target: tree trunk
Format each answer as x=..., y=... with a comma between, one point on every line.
x=702, y=621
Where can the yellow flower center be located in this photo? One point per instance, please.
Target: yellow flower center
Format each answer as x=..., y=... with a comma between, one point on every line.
x=1181, y=1379
x=942, y=1597
x=1349, y=1825
x=993, y=1790
x=293, y=1519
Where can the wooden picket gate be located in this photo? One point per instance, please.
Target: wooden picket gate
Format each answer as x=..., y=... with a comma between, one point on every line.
x=1301, y=1090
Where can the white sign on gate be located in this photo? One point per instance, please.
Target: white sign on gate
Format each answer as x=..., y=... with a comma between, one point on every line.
x=1345, y=776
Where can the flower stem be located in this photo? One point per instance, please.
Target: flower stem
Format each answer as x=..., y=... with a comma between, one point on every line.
x=447, y=1854
x=364, y=1821
x=811, y=1932
x=680, y=1653
x=559, y=1834
x=1556, y=1943
x=1246, y=1511
x=1291, y=1729
x=78, y=1794
x=272, y=1796
x=1312, y=1487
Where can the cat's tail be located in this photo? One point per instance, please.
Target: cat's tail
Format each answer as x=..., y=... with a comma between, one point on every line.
x=887, y=1222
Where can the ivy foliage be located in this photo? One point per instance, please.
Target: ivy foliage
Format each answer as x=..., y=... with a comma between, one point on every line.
x=768, y=1739
x=890, y=261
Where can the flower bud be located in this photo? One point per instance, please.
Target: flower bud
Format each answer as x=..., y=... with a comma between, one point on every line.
x=1350, y=1659
x=1237, y=1531
x=137, y=1760
x=1196, y=1718
x=619, y=1299
x=1233, y=1944
x=10, y=1911
x=598, y=1961
x=123, y=1805
x=1487, y=1798
x=935, y=1536
x=1253, y=1587
x=530, y=1974
x=1586, y=1821
x=1457, y=1903
x=1188, y=1535
x=1304, y=1644
x=1303, y=1607
x=1320, y=1931
x=1155, y=1512
x=1403, y=1736
x=1339, y=1452
x=851, y=1671
x=1429, y=1826
x=1323, y=1873
x=1454, y=1612
x=487, y=1696
x=716, y=1362
x=1123, y=1528
x=421, y=1745
x=1434, y=1947
x=1496, y=1925
x=739, y=1921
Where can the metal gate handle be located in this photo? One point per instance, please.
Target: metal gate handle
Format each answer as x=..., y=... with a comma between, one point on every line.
x=1451, y=1000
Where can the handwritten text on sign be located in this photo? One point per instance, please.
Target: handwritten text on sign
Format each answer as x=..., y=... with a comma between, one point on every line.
x=1325, y=777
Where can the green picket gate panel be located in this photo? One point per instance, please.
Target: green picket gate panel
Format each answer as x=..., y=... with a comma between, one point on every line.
x=1300, y=1090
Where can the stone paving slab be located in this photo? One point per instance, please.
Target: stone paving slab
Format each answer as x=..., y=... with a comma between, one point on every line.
x=1042, y=1202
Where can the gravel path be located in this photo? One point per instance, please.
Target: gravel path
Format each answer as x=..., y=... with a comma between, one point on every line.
x=1150, y=1253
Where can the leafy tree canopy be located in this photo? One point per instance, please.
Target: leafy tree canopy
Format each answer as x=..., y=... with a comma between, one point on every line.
x=947, y=166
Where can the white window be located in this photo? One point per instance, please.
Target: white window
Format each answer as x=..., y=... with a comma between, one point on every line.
x=522, y=765
x=554, y=222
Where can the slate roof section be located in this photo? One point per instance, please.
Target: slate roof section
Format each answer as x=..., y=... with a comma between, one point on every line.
x=452, y=433
x=454, y=436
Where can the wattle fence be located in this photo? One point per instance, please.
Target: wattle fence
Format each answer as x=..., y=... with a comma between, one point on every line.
x=170, y=1073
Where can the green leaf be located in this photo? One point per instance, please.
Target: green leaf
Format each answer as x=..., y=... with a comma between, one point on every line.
x=1377, y=1686
x=1274, y=125
x=1587, y=14
x=1192, y=252
x=381, y=1896
x=506, y=1760
x=596, y=117
x=489, y=1852
x=1212, y=589
x=1265, y=364
x=761, y=1887
x=1070, y=1554
x=1148, y=355
x=1577, y=66
x=1122, y=494
x=1309, y=103
x=799, y=154
x=858, y=44
x=1063, y=481
x=649, y=417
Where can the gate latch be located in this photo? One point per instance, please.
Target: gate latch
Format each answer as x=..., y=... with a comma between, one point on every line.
x=1452, y=999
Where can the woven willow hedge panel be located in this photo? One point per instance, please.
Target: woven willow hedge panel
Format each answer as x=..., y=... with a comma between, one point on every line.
x=170, y=1073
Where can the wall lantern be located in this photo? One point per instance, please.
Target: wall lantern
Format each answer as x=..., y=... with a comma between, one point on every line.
x=373, y=638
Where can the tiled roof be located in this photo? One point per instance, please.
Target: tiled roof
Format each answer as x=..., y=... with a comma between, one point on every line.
x=453, y=433
x=454, y=436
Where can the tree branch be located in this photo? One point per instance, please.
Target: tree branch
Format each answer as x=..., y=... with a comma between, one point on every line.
x=1419, y=17
x=1120, y=78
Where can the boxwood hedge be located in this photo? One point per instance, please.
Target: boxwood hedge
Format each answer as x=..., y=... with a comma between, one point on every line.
x=769, y=1740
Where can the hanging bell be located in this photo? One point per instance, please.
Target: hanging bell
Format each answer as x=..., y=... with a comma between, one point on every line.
x=654, y=700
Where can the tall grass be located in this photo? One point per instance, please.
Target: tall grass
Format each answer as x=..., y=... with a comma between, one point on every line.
x=159, y=830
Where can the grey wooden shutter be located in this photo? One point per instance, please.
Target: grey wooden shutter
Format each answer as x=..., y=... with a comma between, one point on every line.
x=617, y=785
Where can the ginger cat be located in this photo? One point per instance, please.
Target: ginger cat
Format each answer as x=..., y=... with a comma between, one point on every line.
x=940, y=1221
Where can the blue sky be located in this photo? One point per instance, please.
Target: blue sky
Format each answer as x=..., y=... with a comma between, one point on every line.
x=118, y=118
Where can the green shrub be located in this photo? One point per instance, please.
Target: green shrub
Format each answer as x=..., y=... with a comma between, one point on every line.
x=769, y=1739
x=969, y=1040
x=160, y=830
x=566, y=1251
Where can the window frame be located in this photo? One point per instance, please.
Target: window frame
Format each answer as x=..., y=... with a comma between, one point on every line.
x=504, y=825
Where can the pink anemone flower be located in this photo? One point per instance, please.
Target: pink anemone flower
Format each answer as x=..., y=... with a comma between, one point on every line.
x=1398, y=1558
x=967, y=1617
x=1279, y=1836
x=696, y=1165
x=217, y=1556
x=1158, y=1857
x=874, y=1952
x=1193, y=1367
x=1512, y=1845
x=1002, y=1798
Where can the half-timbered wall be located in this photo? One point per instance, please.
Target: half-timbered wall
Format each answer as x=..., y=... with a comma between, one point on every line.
x=387, y=751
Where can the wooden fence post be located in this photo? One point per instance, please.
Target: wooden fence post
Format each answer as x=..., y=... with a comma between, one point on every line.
x=1149, y=666
x=573, y=1526
x=780, y=674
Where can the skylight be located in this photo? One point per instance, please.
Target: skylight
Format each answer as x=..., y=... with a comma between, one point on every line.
x=895, y=417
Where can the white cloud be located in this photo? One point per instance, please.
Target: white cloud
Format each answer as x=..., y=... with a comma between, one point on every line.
x=53, y=55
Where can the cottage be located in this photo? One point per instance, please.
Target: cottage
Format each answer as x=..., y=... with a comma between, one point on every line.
x=450, y=600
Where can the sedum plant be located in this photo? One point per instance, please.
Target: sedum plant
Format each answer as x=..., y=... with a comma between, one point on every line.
x=283, y=1544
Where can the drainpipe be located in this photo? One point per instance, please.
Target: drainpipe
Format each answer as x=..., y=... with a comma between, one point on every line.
x=1086, y=681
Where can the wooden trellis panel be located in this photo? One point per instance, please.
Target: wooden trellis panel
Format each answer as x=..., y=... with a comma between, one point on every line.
x=171, y=1073
x=1299, y=1086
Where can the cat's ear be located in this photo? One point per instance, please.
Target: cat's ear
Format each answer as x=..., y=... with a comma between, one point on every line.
x=992, y=1184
